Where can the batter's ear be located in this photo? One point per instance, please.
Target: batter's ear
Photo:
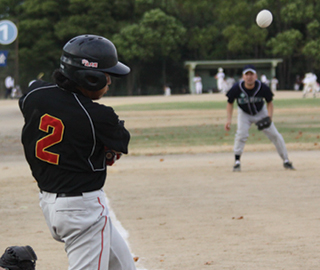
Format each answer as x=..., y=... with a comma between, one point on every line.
x=90, y=80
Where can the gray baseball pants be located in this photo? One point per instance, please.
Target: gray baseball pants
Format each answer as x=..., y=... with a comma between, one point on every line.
x=244, y=123
x=83, y=224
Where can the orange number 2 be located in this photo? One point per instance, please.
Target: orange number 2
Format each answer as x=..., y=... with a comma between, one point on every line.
x=53, y=138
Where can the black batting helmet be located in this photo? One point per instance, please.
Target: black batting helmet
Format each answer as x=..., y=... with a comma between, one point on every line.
x=86, y=58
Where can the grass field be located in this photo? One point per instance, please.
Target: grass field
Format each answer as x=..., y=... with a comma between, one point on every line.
x=208, y=105
x=183, y=207
x=298, y=120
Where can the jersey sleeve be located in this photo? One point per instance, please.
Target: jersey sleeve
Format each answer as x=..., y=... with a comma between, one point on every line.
x=110, y=130
x=231, y=95
x=268, y=95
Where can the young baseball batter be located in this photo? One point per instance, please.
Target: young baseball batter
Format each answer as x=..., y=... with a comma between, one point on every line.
x=65, y=138
x=250, y=94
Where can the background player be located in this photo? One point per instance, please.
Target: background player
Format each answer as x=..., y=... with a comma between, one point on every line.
x=198, y=84
x=9, y=84
x=64, y=138
x=250, y=94
x=310, y=84
x=221, y=83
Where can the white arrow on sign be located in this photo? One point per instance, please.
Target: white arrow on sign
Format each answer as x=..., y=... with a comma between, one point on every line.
x=3, y=59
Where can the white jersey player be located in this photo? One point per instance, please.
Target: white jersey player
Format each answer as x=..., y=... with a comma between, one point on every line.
x=198, y=84
x=220, y=80
x=310, y=84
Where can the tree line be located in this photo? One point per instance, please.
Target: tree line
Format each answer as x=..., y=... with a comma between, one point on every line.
x=155, y=37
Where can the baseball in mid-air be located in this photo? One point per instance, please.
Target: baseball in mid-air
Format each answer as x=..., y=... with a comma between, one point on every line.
x=264, y=18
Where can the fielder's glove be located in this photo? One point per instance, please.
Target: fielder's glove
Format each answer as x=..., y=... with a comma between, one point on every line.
x=264, y=123
x=111, y=156
x=19, y=258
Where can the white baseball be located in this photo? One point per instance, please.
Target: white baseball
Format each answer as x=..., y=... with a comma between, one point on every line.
x=264, y=18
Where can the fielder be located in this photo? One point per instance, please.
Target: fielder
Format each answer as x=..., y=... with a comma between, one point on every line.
x=250, y=94
x=310, y=84
x=68, y=140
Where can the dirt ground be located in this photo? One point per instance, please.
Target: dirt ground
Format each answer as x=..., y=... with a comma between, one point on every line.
x=186, y=210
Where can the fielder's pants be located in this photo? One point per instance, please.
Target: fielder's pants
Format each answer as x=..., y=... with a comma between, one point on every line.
x=310, y=87
x=244, y=123
x=83, y=224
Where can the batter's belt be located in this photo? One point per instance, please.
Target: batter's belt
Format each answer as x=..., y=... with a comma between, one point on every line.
x=64, y=195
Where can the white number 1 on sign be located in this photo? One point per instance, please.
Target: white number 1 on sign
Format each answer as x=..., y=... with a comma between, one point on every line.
x=4, y=31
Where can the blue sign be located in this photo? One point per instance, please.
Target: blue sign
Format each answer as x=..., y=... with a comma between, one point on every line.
x=8, y=32
x=3, y=58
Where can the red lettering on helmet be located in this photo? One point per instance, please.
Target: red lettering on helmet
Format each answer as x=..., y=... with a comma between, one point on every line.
x=89, y=64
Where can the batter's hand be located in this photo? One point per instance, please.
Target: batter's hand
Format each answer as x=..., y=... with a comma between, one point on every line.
x=227, y=126
x=111, y=156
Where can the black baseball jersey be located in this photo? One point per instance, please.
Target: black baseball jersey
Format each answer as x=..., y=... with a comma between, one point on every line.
x=64, y=136
x=250, y=101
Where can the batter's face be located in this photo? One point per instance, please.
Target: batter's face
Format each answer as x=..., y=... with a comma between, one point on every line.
x=249, y=79
x=94, y=95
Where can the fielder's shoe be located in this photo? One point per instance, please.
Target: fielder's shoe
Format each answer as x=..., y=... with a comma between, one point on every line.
x=237, y=167
x=288, y=165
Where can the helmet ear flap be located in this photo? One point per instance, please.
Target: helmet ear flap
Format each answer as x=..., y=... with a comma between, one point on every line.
x=91, y=80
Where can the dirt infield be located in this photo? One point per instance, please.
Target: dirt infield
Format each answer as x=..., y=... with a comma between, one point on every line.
x=182, y=211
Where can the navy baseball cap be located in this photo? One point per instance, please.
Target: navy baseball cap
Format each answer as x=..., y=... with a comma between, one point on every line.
x=248, y=68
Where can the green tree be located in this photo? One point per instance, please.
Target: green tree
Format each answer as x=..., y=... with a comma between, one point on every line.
x=286, y=45
x=131, y=45
x=39, y=48
x=156, y=36
x=10, y=9
x=86, y=16
x=164, y=35
x=153, y=36
x=46, y=25
x=311, y=48
x=245, y=42
x=201, y=41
